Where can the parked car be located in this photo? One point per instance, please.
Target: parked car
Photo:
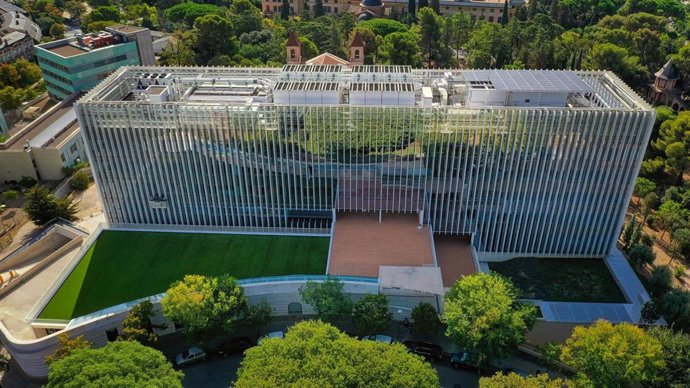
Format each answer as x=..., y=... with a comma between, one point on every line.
x=190, y=356
x=236, y=345
x=468, y=360
x=273, y=334
x=379, y=338
x=425, y=349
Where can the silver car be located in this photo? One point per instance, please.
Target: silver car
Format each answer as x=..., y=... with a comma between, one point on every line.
x=190, y=356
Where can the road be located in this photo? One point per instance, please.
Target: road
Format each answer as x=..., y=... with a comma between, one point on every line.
x=220, y=372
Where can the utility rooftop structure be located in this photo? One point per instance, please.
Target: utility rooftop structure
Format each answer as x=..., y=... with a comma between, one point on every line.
x=538, y=163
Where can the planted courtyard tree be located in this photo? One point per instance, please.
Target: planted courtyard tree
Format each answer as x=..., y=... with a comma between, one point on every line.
x=327, y=298
x=676, y=346
x=80, y=181
x=425, y=320
x=137, y=326
x=118, y=364
x=514, y=380
x=371, y=314
x=259, y=314
x=66, y=346
x=483, y=315
x=316, y=354
x=641, y=255
x=42, y=206
x=204, y=305
x=607, y=355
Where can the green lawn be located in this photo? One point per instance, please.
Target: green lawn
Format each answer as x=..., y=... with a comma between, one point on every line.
x=564, y=280
x=124, y=266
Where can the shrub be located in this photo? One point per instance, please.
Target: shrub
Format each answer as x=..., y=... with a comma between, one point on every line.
x=10, y=195
x=679, y=271
x=80, y=181
x=27, y=182
x=641, y=254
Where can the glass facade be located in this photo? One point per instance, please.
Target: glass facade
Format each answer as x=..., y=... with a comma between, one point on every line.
x=65, y=75
x=533, y=181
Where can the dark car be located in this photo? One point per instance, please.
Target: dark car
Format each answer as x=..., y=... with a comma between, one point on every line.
x=463, y=360
x=236, y=345
x=425, y=349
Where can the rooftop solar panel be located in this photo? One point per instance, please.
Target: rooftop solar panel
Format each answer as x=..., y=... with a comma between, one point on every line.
x=547, y=81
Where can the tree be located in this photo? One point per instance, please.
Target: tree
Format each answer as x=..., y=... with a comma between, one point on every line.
x=628, y=233
x=425, y=320
x=57, y=31
x=309, y=49
x=675, y=307
x=204, y=305
x=327, y=298
x=671, y=216
x=640, y=255
x=661, y=281
x=118, y=364
x=608, y=56
x=400, y=48
x=189, y=12
x=371, y=314
x=318, y=8
x=606, y=355
x=28, y=72
x=316, y=354
x=644, y=187
x=259, y=314
x=285, y=10
x=213, y=36
x=431, y=28
x=66, y=346
x=11, y=98
x=80, y=181
x=75, y=8
x=550, y=355
x=42, y=206
x=383, y=27
x=505, y=16
x=482, y=315
x=412, y=8
x=514, y=380
x=180, y=50
x=676, y=347
x=137, y=326
x=681, y=242
x=246, y=17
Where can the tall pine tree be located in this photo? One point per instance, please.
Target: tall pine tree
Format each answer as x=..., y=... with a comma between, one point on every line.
x=504, y=18
x=285, y=10
x=318, y=8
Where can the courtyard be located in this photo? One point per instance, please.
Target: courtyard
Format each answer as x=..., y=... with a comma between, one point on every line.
x=122, y=266
x=561, y=279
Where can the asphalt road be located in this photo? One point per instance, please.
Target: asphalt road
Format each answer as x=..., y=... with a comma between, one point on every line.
x=220, y=372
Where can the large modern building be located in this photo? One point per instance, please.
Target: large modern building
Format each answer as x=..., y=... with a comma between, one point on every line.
x=79, y=63
x=538, y=163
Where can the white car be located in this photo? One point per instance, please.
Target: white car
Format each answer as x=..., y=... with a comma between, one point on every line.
x=273, y=334
x=379, y=338
x=190, y=356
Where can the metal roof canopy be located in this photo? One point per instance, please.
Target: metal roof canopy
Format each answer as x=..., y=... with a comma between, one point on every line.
x=543, y=81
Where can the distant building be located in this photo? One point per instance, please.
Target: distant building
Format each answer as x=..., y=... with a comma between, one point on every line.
x=41, y=149
x=293, y=49
x=669, y=89
x=17, y=33
x=486, y=10
x=79, y=63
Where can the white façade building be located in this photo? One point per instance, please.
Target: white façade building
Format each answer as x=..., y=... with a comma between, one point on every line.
x=531, y=163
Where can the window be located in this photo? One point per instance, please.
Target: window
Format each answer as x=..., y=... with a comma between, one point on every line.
x=62, y=156
x=112, y=334
x=356, y=54
x=73, y=148
x=295, y=308
x=491, y=19
x=292, y=53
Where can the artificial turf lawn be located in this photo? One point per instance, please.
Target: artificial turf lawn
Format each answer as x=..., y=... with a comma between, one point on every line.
x=123, y=266
x=561, y=280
